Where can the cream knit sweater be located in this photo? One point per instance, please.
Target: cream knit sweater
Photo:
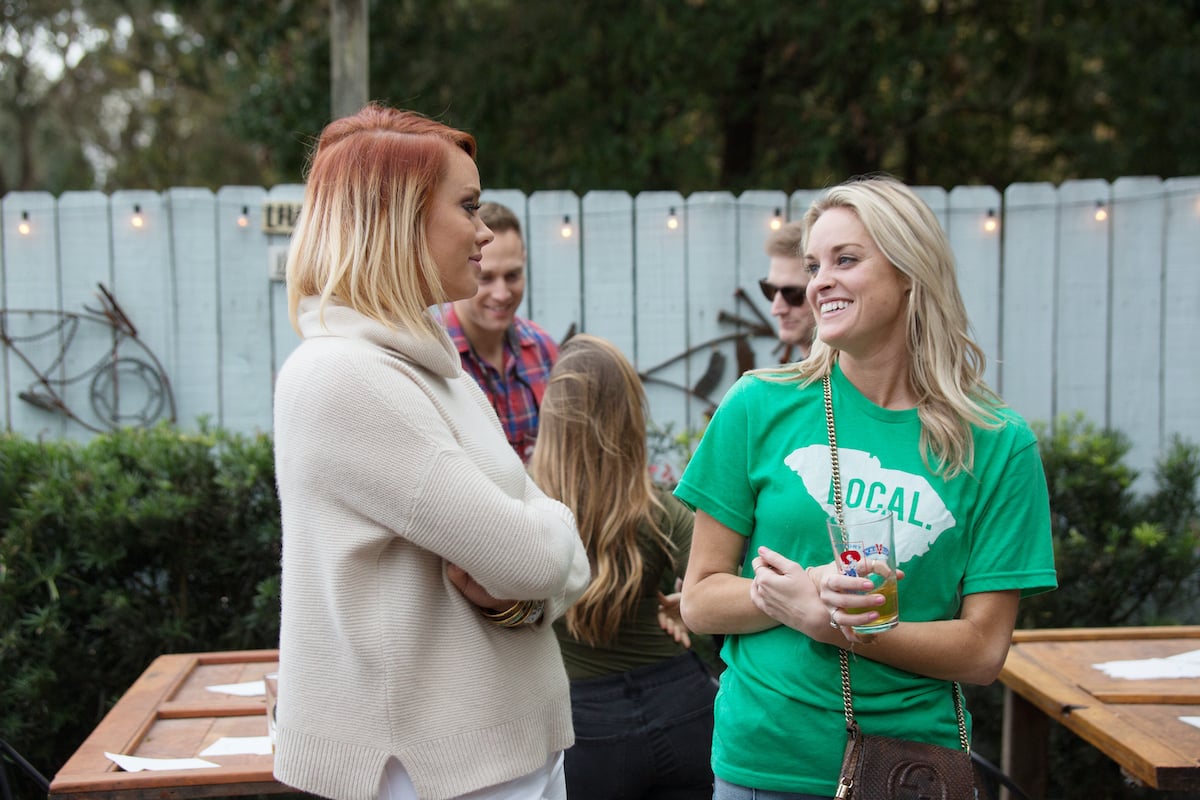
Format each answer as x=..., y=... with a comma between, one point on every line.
x=391, y=464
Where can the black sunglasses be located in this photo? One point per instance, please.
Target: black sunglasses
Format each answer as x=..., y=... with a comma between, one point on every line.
x=792, y=295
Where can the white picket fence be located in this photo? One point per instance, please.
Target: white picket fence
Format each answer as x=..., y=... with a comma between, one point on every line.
x=1076, y=313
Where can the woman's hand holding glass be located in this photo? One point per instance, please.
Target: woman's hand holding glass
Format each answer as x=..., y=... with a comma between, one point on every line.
x=840, y=593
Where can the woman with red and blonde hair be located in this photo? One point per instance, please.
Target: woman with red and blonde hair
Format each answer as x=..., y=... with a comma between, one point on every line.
x=422, y=568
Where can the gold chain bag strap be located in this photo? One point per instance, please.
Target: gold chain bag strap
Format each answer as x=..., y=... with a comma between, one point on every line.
x=882, y=768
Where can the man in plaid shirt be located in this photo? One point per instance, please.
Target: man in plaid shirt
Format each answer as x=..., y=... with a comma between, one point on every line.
x=509, y=357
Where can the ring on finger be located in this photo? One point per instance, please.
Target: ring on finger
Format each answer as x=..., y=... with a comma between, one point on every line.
x=833, y=619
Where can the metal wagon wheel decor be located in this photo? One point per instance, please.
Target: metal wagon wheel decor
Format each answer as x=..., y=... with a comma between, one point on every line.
x=710, y=379
x=125, y=384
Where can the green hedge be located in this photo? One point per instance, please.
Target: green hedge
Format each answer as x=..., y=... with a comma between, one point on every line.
x=112, y=553
x=142, y=543
x=1122, y=559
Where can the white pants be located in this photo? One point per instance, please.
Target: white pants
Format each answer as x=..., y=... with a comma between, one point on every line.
x=545, y=783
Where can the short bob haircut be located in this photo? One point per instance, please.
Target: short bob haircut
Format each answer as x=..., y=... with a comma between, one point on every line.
x=361, y=238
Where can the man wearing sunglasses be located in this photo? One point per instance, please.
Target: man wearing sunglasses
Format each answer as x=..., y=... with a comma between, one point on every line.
x=784, y=286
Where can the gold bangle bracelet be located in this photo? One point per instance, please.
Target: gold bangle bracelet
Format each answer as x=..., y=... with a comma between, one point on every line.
x=492, y=613
x=511, y=616
x=522, y=612
x=515, y=608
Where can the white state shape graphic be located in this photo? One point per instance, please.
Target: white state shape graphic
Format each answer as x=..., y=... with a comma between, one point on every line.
x=868, y=488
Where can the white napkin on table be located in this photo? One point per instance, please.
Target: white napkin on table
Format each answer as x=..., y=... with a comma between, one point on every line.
x=139, y=763
x=239, y=745
x=247, y=689
x=1183, y=665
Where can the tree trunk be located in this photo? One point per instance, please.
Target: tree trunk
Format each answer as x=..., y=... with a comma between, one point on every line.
x=348, y=51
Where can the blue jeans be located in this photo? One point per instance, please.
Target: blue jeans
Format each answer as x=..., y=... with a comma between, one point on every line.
x=645, y=734
x=724, y=790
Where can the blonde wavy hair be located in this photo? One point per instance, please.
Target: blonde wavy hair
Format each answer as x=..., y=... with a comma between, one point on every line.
x=591, y=456
x=946, y=366
x=360, y=237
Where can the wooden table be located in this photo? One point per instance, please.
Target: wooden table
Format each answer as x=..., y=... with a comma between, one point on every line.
x=1049, y=675
x=168, y=713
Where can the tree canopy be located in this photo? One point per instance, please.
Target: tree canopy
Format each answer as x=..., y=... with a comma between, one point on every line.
x=686, y=95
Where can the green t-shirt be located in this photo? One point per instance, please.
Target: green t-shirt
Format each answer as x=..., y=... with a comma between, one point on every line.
x=763, y=470
x=639, y=641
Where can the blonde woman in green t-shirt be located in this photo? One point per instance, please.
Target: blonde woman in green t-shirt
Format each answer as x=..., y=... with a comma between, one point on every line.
x=920, y=436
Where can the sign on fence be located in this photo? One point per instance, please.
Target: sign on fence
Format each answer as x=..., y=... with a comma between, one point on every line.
x=280, y=217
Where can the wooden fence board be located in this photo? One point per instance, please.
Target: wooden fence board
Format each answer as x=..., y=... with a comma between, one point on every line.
x=144, y=284
x=1135, y=351
x=977, y=253
x=85, y=262
x=31, y=283
x=711, y=280
x=1029, y=231
x=1082, y=300
x=554, y=291
x=1181, y=311
x=608, y=290
x=660, y=275
x=196, y=228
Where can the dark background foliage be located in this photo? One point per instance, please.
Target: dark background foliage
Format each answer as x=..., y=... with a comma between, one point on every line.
x=683, y=95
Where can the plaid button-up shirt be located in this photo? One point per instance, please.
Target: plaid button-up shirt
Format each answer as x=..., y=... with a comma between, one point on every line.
x=516, y=394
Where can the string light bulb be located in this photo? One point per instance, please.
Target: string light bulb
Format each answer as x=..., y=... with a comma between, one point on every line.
x=566, y=229
x=672, y=219
x=777, y=220
x=243, y=220
x=23, y=227
x=1101, y=211
x=137, y=220
x=990, y=223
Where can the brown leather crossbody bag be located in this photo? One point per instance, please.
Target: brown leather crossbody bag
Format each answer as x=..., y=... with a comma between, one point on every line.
x=883, y=768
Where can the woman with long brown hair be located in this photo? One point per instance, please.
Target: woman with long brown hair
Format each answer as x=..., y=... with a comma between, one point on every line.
x=640, y=700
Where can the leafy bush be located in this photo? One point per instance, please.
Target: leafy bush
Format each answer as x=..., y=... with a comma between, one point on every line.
x=140, y=543
x=1122, y=559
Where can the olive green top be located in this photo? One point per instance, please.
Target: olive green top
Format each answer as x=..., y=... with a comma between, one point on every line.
x=639, y=641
